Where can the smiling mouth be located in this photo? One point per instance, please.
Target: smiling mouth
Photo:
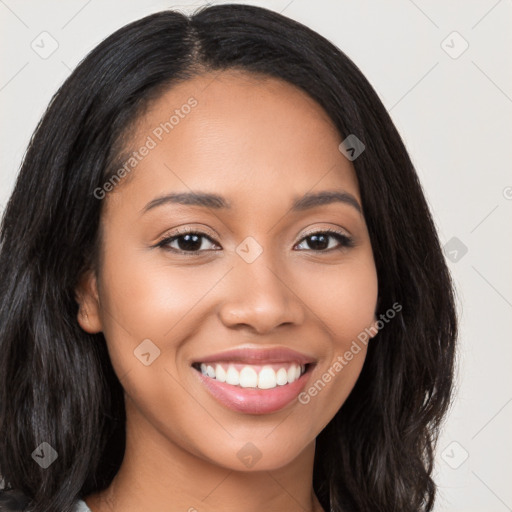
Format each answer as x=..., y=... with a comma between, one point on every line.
x=266, y=376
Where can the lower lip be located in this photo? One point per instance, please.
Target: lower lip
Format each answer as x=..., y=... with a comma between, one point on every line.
x=254, y=400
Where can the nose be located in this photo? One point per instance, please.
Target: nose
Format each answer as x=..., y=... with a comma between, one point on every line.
x=260, y=298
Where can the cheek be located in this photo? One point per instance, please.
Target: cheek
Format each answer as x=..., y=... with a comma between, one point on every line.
x=160, y=302
x=344, y=297
x=149, y=312
x=150, y=298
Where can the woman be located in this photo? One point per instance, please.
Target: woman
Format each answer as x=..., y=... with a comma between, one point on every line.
x=221, y=283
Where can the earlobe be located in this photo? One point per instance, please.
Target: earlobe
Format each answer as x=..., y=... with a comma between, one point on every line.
x=87, y=297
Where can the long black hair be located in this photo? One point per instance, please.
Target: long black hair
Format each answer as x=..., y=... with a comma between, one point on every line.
x=57, y=384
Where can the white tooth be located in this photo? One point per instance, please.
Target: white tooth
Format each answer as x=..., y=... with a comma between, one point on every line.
x=291, y=374
x=210, y=371
x=248, y=377
x=232, y=376
x=267, y=378
x=220, y=373
x=297, y=371
x=282, y=376
x=203, y=368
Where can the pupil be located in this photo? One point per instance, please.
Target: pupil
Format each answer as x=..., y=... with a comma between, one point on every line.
x=185, y=243
x=315, y=241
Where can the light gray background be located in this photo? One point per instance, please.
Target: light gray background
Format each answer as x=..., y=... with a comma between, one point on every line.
x=455, y=115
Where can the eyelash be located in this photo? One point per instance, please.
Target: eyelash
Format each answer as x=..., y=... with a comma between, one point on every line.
x=344, y=240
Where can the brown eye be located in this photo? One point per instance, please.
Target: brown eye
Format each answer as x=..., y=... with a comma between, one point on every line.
x=320, y=240
x=194, y=241
x=186, y=242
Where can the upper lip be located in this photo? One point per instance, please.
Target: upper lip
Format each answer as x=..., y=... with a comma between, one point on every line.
x=258, y=355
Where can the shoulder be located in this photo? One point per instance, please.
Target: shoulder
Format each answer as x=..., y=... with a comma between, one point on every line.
x=81, y=506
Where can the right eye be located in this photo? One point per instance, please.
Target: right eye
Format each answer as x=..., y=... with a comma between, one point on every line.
x=188, y=242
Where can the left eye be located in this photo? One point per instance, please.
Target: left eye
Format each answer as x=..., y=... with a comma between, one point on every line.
x=318, y=241
x=319, y=238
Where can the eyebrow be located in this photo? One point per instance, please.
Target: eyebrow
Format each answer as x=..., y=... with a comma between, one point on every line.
x=209, y=200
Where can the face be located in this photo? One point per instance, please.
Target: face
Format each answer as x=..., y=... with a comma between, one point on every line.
x=261, y=286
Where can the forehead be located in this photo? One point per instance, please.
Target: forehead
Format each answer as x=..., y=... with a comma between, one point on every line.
x=242, y=135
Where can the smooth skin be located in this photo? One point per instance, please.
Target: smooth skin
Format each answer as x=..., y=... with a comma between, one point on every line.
x=260, y=143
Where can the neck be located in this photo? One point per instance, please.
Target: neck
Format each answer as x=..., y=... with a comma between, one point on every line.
x=160, y=475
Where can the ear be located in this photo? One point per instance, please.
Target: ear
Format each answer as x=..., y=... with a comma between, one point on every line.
x=87, y=297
